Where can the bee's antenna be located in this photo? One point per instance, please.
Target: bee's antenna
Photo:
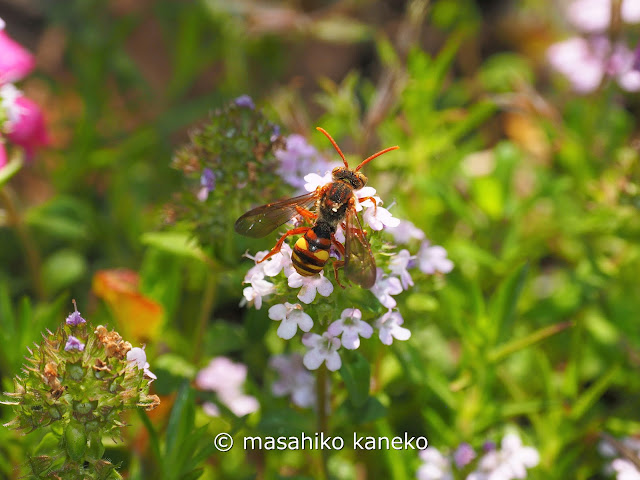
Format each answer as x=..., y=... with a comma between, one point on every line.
x=376, y=155
x=335, y=145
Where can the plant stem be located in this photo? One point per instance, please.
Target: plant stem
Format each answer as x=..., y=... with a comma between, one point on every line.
x=29, y=246
x=321, y=405
x=208, y=303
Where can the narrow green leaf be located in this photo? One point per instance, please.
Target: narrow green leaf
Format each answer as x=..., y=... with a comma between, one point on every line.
x=591, y=395
x=503, y=306
x=498, y=354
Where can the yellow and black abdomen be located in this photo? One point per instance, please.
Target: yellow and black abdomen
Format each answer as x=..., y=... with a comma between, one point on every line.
x=311, y=252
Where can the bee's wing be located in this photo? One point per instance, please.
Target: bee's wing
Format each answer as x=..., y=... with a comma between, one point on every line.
x=263, y=220
x=359, y=266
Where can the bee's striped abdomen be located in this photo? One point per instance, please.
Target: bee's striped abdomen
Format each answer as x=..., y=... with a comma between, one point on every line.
x=311, y=252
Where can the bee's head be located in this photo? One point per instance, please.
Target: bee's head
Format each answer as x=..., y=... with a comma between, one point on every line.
x=357, y=180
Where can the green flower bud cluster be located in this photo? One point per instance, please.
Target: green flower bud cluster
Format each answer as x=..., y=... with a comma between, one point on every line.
x=78, y=382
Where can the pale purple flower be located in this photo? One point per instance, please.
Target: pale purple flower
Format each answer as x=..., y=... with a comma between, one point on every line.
x=322, y=348
x=351, y=326
x=510, y=462
x=379, y=217
x=433, y=258
x=385, y=287
x=74, y=344
x=398, y=266
x=291, y=317
x=207, y=184
x=463, y=455
x=310, y=285
x=389, y=326
x=259, y=288
x=586, y=62
x=594, y=16
x=138, y=357
x=435, y=467
x=294, y=380
x=15, y=61
x=297, y=160
x=226, y=378
x=624, y=468
x=405, y=231
x=75, y=319
x=245, y=101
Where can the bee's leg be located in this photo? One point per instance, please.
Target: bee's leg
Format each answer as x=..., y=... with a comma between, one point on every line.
x=338, y=263
x=276, y=249
x=304, y=213
x=375, y=204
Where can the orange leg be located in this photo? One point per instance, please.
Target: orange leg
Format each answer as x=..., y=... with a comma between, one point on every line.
x=338, y=263
x=276, y=249
x=375, y=204
x=304, y=213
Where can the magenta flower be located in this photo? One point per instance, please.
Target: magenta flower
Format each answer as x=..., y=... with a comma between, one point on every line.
x=3, y=154
x=15, y=61
x=322, y=349
x=351, y=327
x=25, y=124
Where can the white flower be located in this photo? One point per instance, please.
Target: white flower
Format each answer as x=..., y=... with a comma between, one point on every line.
x=321, y=349
x=310, y=285
x=313, y=181
x=291, y=317
x=398, y=266
x=625, y=470
x=281, y=260
x=389, y=326
x=225, y=378
x=138, y=357
x=351, y=327
x=508, y=463
x=435, y=467
x=433, y=259
x=294, y=379
x=9, y=96
x=258, y=289
x=379, y=217
x=594, y=16
x=385, y=287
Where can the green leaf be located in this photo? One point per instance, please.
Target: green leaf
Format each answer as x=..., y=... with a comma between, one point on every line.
x=502, y=309
x=499, y=353
x=62, y=269
x=176, y=243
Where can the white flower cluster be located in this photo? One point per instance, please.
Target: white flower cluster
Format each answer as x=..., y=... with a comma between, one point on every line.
x=349, y=328
x=510, y=462
x=624, y=468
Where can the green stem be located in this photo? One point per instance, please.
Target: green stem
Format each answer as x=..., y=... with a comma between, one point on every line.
x=29, y=246
x=321, y=406
x=208, y=303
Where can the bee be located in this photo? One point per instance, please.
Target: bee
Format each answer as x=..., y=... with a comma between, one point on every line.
x=334, y=205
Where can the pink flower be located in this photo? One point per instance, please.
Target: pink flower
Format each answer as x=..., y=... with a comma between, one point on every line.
x=137, y=356
x=15, y=61
x=385, y=287
x=3, y=154
x=294, y=380
x=594, y=16
x=226, y=378
x=405, y=231
x=398, y=266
